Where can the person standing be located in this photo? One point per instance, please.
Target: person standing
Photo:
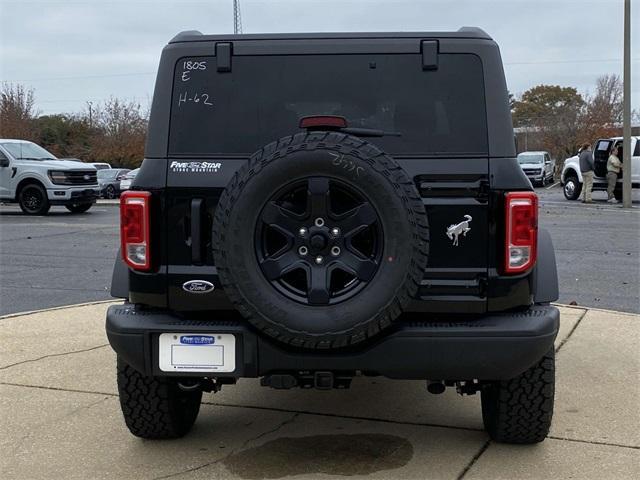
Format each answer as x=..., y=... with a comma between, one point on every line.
x=586, y=168
x=613, y=170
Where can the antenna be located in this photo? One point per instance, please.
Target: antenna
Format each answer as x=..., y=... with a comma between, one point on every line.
x=237, y=19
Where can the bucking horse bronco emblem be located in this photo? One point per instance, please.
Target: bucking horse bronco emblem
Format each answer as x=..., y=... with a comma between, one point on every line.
x=454, y=230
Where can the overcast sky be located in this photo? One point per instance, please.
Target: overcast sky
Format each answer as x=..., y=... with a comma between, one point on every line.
x=75, y=51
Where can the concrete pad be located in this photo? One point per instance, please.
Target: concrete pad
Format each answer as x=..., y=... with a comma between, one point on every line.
x=85, y=437
x=569, y=317
x=597, y=389
x=52, y=332
x=556, y=459
x=91, y=441
x=91, y=371
x=21, y=413
x=311, y=447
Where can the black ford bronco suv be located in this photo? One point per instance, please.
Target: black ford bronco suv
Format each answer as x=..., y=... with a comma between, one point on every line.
x=315, y=207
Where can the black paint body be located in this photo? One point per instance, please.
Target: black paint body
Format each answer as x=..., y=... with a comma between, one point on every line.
x=464, y=282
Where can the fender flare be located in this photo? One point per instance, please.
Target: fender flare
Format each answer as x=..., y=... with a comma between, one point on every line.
x=545, y=273
x=573, y=171
x=120, y=278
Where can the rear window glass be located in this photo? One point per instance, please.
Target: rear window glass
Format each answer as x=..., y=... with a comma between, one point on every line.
x=264, y=97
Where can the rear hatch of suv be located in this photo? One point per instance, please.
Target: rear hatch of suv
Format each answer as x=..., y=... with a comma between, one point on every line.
x=230, y=96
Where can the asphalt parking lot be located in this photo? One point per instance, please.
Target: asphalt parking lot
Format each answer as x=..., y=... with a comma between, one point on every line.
x=58, y=259
x=63, y=259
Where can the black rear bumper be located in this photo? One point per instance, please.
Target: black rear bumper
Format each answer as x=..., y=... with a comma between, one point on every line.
x=493, y=347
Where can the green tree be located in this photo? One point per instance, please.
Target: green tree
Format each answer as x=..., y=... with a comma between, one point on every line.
x=546, y=104
x=552, y=117
x=64, y=135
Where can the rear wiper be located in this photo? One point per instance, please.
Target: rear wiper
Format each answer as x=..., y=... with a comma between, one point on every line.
x=368, y=132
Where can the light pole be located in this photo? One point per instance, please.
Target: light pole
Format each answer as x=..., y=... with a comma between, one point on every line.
x=626, y=115
x=90, y=105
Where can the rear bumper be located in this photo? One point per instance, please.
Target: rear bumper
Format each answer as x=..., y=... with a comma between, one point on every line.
x=493, y=347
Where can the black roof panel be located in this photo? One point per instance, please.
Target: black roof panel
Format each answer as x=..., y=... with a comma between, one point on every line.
x=196, y=36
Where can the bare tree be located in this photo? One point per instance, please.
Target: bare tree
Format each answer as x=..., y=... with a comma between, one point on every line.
x=604, y=109
x=17, y=112
x=118, y=133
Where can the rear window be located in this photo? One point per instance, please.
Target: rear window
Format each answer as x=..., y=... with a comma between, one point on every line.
x=264, y=97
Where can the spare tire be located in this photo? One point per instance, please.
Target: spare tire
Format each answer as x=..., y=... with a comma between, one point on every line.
x=321, y=240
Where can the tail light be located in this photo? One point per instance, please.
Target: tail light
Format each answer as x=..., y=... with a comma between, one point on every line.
x=521, y=231
x=134, y=229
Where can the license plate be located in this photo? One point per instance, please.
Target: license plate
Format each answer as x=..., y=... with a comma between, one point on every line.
x=187, y=352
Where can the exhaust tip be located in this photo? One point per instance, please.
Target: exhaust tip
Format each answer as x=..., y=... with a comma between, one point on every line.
x=436, y=387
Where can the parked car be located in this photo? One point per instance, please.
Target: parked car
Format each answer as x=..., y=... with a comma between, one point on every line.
x=35, y=179
x=571, y=178
x=100, y=165
x=313, y=243
x=109, y=180
x=125, y=183
x=537, y=166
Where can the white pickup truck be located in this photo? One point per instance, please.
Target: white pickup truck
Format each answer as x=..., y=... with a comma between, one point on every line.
x=571, y=178
x=35, y=179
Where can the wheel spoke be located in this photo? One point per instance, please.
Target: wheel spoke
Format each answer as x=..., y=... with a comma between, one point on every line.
x=318, y=197
x=363, y=268
x=280, y=218
x=275, y=267
x=357, y=219
x=318, y=285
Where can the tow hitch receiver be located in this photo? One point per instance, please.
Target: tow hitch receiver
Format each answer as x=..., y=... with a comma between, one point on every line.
x=317, y=380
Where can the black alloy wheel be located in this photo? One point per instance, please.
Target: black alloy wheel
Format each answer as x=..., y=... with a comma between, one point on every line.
x=110, y=192
x=33, y=200
x=319, y=241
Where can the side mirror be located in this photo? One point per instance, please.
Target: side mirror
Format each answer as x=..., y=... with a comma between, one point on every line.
x=4, y=162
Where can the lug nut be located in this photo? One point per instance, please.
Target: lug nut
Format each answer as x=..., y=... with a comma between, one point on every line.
x=319, y=222
x=302, y=231
x=335, y=231
x=335, y=251
x=303, y=250
x=318, y=259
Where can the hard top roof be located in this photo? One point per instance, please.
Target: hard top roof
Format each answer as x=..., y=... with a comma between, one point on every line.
x=196, y=36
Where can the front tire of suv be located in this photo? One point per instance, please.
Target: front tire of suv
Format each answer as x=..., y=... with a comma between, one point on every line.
x=33, y=199
x=155, y=407
x=520, y=410
x=572, y=188
x=78, y=207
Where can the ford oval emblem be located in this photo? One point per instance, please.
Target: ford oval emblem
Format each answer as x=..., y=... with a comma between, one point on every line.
x=198, y=286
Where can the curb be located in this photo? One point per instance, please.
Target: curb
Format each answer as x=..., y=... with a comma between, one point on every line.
x=595, y=309
x=62, y=307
